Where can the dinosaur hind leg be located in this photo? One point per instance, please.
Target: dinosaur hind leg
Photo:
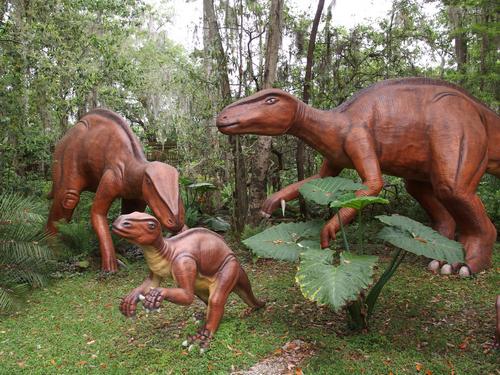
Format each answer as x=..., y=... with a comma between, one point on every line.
x=63, y=206
x=441, y=219
x=131, y=205
x=244, y=290
x=457, y=167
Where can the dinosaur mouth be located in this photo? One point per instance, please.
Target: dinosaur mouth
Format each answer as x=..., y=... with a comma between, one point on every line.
x=228, y=124
x=115, y=229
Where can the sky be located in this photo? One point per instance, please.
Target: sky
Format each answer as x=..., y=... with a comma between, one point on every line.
x=188, y=14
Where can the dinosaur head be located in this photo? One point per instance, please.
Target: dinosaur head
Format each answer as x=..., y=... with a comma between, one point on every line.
x=160, y=189
x=267, y=112
x=139, y=228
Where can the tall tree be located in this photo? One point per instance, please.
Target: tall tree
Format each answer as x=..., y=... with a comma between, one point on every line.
x=262, y=148
x=220, y=70
x=300, y=153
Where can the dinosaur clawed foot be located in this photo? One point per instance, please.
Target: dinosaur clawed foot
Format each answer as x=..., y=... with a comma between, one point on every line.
x=201, y=339
x=443, y=268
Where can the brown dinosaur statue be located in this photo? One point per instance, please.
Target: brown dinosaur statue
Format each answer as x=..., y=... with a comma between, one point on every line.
x=199, y=262
x=431, y=133
x=101, y=154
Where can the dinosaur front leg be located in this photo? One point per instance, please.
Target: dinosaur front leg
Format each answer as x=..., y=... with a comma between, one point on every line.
x=291, y=192
x=128, y=305
x=106, y=193
x=360, y=149
x=184, y=272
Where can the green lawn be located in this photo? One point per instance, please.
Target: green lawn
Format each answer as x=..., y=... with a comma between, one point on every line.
x=74, y=326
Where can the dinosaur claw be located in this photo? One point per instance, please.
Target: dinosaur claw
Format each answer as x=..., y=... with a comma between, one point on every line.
x=283, y=205
x=464, y=272
x=433, y=266
x=446, y=269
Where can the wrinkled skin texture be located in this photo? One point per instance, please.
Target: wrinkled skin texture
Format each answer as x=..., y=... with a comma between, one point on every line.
x=199, y=262
x=433, y=134
x=101, y=154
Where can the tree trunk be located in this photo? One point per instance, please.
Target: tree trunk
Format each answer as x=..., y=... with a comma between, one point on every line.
x=262, y=152
x=300, y=154
x=456, y=16
x=215, y=50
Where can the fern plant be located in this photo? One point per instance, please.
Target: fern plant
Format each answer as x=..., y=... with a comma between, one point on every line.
x=344, y=279
x=24, y=256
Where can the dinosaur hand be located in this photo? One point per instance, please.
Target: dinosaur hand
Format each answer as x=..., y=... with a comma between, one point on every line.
x=270, y=204
x=128, y=305
x=328, y=233
x=154, y=299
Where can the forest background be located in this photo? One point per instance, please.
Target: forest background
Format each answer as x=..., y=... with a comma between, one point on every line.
x=60, y=59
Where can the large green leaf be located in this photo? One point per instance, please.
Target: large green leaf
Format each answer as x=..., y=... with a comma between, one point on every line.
x=202, y=186
x=358, y=202
x=324, y=283
x=325, y=190
x=412, y=236
x=285, y=241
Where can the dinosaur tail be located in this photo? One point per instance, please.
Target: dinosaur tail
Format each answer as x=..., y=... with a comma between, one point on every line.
x=244, y=290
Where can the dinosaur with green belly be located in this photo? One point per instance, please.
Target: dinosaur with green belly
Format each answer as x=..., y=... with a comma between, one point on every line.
x=197, y=260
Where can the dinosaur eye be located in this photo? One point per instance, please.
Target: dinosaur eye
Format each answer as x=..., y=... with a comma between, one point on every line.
x=151, y=225
x=271, y=100
x=148, y=181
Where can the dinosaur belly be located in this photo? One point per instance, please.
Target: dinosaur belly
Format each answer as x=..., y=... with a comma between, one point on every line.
x=204, y=284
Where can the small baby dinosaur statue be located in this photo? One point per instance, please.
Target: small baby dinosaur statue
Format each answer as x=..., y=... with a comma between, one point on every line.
x=199, y=262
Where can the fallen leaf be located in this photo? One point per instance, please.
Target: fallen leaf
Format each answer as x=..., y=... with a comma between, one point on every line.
x=298, y=371
x=418, y=366
x=52, y=361
x=103, y=365
x=21, y=364
x=90, y=342
x=82, y=363
x=464, y=344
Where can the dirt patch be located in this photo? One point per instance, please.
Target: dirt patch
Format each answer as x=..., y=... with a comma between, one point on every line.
x=285, y=360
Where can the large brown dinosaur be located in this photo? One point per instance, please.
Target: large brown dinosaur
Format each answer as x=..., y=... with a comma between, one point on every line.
x=199, y=262
x=433, y=134
x=101, y=154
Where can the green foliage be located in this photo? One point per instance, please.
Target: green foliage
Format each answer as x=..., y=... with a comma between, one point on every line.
x=24, y=256
x=217, y=224
x=344, y=284
x=325, y=190
x=419, y=239
x=358, y=203
x=78, y=237
x=284, y=241
x=335, y=285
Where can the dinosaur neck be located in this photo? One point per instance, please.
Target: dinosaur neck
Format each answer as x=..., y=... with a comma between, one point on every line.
x=160, y=247
x=314, y=127
x=133, y=175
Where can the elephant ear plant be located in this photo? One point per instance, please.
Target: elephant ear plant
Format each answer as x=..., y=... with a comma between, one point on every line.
x=345, y=279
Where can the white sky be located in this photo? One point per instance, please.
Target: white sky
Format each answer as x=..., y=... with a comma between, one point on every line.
x=188, y=14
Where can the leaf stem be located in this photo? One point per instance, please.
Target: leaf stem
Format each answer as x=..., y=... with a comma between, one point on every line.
x=344, y=237
x=372, y=297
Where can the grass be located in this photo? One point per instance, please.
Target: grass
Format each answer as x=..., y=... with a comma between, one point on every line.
x=445, y=324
